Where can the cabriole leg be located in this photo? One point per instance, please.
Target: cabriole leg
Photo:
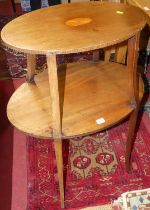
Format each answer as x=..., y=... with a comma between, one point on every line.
x=133, y=78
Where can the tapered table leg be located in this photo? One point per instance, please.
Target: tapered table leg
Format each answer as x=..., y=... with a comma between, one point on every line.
x=133, y=44
x=107, y=54
x=120, y=53
x=56, y=121
x=96, y=56
x=31, y=64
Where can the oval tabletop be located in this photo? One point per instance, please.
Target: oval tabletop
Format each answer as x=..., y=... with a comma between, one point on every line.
x=74, y=27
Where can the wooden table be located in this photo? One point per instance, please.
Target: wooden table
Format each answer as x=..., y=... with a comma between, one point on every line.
x=78, y=98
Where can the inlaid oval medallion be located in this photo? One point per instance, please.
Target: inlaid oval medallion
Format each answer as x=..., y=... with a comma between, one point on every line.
x=78, y=21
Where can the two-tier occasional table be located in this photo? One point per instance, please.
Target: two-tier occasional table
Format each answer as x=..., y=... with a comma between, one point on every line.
x=78, y=98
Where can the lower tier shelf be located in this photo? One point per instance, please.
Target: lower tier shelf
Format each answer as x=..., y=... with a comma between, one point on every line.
x=93, y=97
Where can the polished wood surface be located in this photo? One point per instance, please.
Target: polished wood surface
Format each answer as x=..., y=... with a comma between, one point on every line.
x=142, y=4
x=75, y=27
x=56, y=119
x=133, y=79
x=120, y=53
x=89, y=92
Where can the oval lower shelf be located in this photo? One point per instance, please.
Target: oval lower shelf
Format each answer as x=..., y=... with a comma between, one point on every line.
x=93, y=97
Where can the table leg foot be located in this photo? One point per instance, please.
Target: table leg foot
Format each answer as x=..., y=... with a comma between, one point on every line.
x=31, y=79
x=130, y=138
x=59, y=161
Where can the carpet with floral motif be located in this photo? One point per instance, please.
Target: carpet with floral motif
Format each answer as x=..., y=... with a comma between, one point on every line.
x=94, y=168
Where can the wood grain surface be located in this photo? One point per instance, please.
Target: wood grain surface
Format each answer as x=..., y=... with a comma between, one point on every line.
x=74, y=27
x=87, y=93
x=142, y=4
x=133, y=79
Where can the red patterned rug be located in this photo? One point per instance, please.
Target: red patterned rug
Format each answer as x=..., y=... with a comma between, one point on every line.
x=94, y=170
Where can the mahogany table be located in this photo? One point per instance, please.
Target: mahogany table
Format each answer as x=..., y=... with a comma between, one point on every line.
x=78, y=98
